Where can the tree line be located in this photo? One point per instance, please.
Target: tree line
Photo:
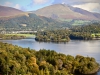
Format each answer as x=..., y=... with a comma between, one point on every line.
x=62, y=36
x=53, y=36
x=87, y=32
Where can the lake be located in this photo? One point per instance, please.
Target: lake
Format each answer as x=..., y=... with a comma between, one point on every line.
x=74, y=47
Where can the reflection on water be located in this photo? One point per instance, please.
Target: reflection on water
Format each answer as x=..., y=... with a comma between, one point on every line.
x=85, y=48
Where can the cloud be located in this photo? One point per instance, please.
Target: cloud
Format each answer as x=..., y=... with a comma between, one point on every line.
x=93, y=7
x=17, y=6
x=8, y=4
x=90, y=5
x=40, y=1
x=74, y=2
x=84, y=1
x=23, y=8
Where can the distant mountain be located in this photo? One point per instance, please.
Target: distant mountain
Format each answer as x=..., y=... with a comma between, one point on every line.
x=48, y=18
x=63, y=11
x=13, y=19
x=8, y=11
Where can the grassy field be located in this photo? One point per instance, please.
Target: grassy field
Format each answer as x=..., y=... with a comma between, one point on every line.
x=95, y=35
x=26, y=35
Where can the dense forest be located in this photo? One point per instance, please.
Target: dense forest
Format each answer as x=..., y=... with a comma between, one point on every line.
x=92, y=28
x=15, y=60
x=62, y=36
x=53, y=36
x=87, y=32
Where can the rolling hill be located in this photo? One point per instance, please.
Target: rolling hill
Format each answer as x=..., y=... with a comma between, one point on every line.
x=63, y=11
x=8, y=11
x=13, y=19
x=30, y=22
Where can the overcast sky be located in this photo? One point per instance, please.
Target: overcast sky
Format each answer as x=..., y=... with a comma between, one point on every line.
x=30, y=5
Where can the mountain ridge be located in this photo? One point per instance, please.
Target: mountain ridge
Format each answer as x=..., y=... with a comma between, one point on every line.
x=9, y=11
x=56, y=11
x=64, y=11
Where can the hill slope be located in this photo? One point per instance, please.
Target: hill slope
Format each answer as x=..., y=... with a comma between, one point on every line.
x=13, y=19
x=62, y=11
x=85, y=12
x=30, y=22
x=8, y=11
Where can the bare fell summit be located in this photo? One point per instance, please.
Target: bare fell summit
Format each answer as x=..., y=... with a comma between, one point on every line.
x=63, y=11
x=9, y=11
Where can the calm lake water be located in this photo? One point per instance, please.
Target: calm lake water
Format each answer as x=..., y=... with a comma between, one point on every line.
x=74, y=47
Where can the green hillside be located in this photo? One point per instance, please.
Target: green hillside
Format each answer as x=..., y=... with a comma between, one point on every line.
x=36, y=23
x=30, y=22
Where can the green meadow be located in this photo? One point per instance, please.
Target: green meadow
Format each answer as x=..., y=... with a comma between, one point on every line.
x=95, y=35
x=26, y=35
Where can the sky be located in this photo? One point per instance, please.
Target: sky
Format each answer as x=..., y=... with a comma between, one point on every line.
x=31, y=5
